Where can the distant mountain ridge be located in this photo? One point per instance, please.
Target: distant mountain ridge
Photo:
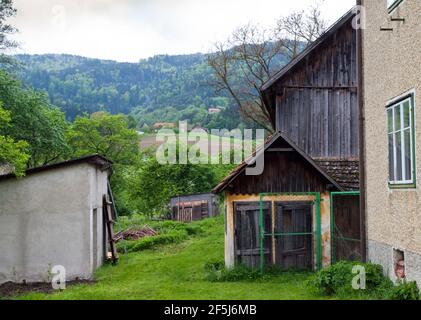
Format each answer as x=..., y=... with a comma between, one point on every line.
x=163, y=88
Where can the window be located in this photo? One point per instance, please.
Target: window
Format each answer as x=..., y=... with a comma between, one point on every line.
x=393, y=4
x=400, y=118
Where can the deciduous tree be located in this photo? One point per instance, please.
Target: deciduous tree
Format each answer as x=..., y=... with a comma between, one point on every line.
x=34, y=120
x=13, y=154
x=254, y=54
x=104, y=134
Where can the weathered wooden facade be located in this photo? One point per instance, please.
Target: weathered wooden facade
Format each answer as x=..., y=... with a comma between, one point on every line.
x=314, y=99
x=284, y=216
x=194, y=207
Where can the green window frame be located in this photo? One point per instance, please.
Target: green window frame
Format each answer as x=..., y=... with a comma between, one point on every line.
x=393, y=4
x=401, y=143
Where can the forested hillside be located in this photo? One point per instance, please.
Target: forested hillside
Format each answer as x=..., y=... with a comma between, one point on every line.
x=159, y=89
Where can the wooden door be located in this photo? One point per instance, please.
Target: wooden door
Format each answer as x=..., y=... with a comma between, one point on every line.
x=294, y=238
x=204, y=208
x=197, y=211
x=346, y=228
x=247, y=233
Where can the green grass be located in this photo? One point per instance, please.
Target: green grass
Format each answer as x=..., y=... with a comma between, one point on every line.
x=176, y=271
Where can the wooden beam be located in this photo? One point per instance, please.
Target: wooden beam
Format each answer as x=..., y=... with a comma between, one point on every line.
x=321, y=87
x=280, y=150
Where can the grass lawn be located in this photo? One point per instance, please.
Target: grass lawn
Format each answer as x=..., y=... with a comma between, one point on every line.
x=176, y=271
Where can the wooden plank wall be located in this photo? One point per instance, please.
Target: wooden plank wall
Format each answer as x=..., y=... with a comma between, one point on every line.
x=284, y=172
x=317, y=103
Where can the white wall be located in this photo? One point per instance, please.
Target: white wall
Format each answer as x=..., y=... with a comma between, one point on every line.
x=46, y=220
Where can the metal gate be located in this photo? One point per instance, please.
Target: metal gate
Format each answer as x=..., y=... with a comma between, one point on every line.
x=279, y=232
x=346, y=239
x=294, y=243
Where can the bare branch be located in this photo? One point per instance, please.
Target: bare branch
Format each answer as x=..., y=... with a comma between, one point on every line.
x=252, y=55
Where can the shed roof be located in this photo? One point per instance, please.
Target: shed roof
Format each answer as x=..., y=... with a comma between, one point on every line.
x=242, y=167
x=94, y=159
x=193, y=195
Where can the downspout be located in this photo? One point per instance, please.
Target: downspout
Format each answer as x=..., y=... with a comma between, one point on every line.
x=360, y=78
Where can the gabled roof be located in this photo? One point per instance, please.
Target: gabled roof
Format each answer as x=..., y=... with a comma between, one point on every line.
x=271, y=140
x=94, y=159
x=326, y=35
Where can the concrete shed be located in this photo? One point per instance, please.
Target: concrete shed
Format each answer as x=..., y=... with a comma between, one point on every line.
x=53, y=216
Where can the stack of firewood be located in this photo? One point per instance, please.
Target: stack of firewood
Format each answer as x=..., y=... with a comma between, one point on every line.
x=135, y=233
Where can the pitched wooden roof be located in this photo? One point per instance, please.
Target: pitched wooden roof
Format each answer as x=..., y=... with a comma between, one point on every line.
x=250, y=161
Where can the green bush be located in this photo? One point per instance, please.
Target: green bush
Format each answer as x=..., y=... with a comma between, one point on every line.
x=169, y=225
x=405, y=291
x=168, y=232
x=337, y=280
x=237, y=273
x=174, y=236
x=215, y=271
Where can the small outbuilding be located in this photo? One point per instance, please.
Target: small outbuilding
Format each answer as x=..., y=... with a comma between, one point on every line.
x=54, y=217
x=283, y=217
x=194, y=207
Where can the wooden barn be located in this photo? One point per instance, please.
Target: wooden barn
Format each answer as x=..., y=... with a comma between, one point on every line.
x=303, y=212
x=194, y=207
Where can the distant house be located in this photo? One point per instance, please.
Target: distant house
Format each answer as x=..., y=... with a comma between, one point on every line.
x=214, y=110
x=303, y=212
x=194, y=207
x=160, y=125
x=54, y=216
x=391, y=55
x=198, y=128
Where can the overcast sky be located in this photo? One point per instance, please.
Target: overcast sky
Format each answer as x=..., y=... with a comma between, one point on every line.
x=128, y=30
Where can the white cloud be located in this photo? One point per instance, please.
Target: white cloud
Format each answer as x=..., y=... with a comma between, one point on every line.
x=127, y=30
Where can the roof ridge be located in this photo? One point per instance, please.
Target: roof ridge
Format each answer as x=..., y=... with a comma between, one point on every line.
x=240, y=168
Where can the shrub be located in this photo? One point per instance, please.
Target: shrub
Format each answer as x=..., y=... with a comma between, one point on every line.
x=193, y=229
x=337, y=280
x=237, y=273
x=405, y=291
x=215, y=271
x=216, y=265
x=174, y=236
x=169, y=225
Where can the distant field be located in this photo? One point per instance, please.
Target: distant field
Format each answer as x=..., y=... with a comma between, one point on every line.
x=149, y=141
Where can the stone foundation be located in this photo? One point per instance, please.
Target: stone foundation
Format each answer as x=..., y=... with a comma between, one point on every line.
x=383, y=254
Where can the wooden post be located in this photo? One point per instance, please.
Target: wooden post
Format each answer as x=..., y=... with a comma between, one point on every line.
x=108, y=219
